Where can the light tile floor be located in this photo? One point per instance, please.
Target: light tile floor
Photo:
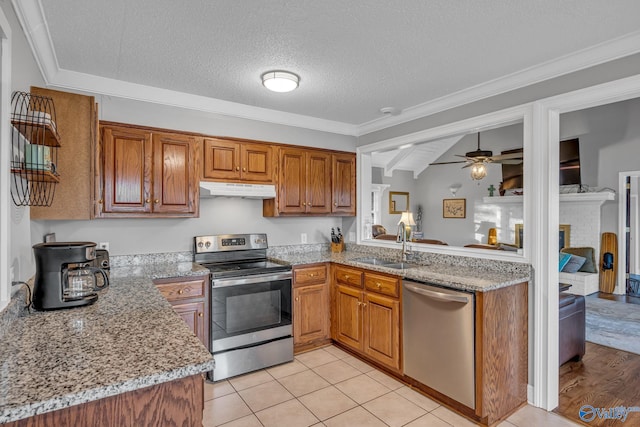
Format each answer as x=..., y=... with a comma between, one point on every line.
x=328, y=387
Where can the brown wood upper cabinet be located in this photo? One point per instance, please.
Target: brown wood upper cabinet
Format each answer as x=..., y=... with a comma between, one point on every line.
x=313, y=182
x=76, y=122
x=343, y=186
x=148, y=173
x=234, y=161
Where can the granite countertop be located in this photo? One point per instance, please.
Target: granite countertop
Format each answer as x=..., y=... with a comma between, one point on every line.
x=464, y=277
x=129, y=339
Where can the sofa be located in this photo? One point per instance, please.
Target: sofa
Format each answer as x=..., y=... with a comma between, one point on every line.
x=571, y=327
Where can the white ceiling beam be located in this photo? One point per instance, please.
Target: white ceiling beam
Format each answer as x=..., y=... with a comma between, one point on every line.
x=443, y=146
x=397, y=160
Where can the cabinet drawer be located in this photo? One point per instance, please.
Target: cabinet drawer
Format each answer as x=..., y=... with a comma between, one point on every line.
x=310, y=275
x=182, y=290
x=349, y=276
x=382, y=284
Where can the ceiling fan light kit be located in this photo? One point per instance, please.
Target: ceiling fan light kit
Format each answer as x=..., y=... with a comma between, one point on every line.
x=477, y=160
x=280, y=81
x=478, y=171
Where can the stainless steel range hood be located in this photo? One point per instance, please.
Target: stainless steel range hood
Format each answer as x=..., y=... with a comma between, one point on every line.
x=228, y=189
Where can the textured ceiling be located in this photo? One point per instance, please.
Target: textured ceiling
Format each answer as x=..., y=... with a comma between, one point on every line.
x=354, y=57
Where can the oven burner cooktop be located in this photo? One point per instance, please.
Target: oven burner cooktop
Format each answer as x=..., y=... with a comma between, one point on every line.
x=233, y=269
x=235, y=255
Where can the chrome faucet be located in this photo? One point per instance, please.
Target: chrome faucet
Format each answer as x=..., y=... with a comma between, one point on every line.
x=402, y=238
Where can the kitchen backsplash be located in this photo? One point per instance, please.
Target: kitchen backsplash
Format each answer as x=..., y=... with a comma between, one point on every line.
x=143, y=259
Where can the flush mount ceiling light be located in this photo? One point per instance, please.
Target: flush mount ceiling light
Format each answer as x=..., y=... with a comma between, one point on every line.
x=280, y=81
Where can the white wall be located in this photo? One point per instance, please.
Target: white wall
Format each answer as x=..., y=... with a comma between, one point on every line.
x=217, y=216
x=433, y=185
x=609, y=144
x=399, y=181
x=24, y=73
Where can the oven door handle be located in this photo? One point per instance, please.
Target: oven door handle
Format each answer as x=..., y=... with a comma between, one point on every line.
x=258, y=278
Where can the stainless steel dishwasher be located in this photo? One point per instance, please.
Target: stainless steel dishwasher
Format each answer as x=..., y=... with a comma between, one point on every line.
x=438, y=336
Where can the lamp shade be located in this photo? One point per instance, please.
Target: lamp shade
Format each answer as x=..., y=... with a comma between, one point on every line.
x=478, y=171
x=407, y=218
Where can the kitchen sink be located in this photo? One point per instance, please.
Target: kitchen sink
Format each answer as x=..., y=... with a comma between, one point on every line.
x=374, y=261
x=400, y=265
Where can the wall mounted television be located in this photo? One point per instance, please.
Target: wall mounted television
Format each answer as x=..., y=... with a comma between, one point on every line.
x=569, y=166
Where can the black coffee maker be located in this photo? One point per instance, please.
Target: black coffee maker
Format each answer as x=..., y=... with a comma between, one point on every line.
x=63, y=280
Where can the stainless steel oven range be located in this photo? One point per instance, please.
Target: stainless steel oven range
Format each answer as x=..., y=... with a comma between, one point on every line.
x=250, y=323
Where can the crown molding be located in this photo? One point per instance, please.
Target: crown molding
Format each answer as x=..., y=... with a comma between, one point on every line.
x=575, y=61
x=31, y=17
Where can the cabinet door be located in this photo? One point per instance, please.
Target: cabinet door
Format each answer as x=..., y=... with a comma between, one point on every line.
x=318, y=197
x=348, y=312
x=127, y=170
x=174, y=175
x=292, y=177
x=343, y=184
x=256, y=163
x=382, y=330
x=76, y=124
x=193, y=314
x=221, y=159
x=310, y=313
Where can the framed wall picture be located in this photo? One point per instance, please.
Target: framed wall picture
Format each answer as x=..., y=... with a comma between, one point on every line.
x=564, y=236
x=454, y=208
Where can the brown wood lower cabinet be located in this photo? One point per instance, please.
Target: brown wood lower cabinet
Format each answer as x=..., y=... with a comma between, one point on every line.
x=189, y=298
x=310, y=306
x=175, y=403
x=364, y=317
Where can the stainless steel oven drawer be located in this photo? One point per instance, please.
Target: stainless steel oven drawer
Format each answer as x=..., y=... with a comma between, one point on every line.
x=240, y=361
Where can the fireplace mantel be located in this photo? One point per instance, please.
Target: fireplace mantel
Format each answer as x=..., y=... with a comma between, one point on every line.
x=594, y=197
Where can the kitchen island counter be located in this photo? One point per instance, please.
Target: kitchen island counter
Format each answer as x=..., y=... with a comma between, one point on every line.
x=475, y=276
x=128, y=340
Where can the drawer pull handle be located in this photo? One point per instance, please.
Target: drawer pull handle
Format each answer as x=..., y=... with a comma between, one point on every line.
x=237, y=168
x=346, y=277
x=244, y=169
x=312, y=274
x=147, y=201
x=335, y=204
x=364, y=304
x=180, y=292
x=200, y=314
x=156, y=201
x=297, y=298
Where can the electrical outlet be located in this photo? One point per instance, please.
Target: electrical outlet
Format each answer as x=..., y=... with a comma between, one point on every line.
x=12, y=272
x=303, y=237
x=103, y=245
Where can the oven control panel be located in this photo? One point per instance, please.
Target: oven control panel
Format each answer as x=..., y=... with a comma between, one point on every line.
x=229, y=242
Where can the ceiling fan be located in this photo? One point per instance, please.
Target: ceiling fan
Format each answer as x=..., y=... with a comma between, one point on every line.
x=485, y=156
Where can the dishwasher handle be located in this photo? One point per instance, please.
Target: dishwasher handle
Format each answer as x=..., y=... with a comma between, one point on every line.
x=440, y=296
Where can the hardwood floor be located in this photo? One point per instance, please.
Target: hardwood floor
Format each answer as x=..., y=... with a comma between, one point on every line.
x=604, y=378
x=623, y=298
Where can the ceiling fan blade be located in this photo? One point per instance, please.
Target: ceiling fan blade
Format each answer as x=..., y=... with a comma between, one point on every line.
x=509, y=161
x=513, y=156
x=468, y=165
x=447, y=163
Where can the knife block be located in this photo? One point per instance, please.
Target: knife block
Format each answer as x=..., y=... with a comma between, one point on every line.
x=337, y=247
